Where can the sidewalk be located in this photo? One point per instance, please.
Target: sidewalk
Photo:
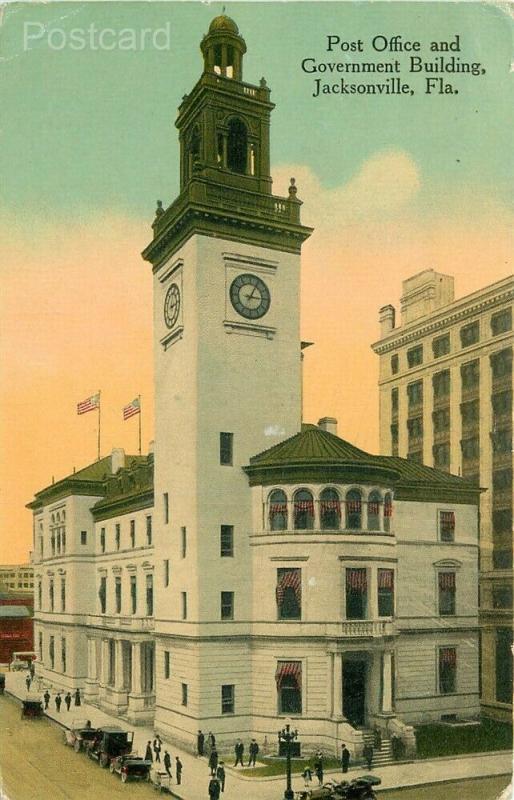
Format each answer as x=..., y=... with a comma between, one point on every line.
x=196, y=772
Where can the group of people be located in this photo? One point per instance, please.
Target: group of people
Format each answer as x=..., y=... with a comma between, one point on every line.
x=216, y=767
x=153, y=754
x=68, y=698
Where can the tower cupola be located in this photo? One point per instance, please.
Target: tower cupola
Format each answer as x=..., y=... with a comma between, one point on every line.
x=223, y=48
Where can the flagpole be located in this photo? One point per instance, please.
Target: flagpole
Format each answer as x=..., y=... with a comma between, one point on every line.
x=139, y=415
x=99, y=421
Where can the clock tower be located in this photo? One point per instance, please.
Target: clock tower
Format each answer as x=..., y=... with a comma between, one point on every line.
x=226, y=264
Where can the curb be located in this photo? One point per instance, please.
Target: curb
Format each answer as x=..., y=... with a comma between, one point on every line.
x=444, y=781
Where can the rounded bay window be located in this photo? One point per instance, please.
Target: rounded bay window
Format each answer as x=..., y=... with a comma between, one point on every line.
x=329, y=510
x=303, y=510
x=353, y=510
x=278, y=510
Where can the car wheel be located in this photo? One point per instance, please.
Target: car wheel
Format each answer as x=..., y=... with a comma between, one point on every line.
x=76, y=746
x=123, y=777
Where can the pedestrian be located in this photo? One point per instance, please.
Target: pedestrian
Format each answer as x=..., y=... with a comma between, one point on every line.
x=368, y=755
x=28, y=681
x=88, y=724
x=220, y=774
x=318, y=769
x=167, y=763
x=58, y=701
x=211, y=741
x=213, y=761
x=345, y=758
x=32, y=670
x=46, y=698
x=178, y=770
x=148, y=753
x=307, y=777
x=67, y=700
x=377, y=738
x=214, y=789
x=253, y=752
x=200, y=741
x=157, y=746
x=239, y=750
x=77, y=697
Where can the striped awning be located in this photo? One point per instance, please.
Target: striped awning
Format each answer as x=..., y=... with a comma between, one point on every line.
x=288, y=669
x=448, y=655
x=447, y=580
x=385, y=578
x=289, y=579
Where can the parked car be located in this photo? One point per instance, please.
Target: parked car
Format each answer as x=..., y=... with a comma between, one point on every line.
x=31, y=709
x=109, y=743
x=131, y=767
x=79, y=733
x=21, y=660
x=357, y=789
x=2, y=682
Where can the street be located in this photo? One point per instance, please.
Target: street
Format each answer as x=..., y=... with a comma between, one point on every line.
x=475, y=789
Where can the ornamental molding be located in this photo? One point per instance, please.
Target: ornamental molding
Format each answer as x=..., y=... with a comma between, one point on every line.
x=170, y=270
x=172, y=337
x=147, y=566
x=289, y=558
x=116, y=570
x=249, y=329
x=239, y=259
x=447, y=563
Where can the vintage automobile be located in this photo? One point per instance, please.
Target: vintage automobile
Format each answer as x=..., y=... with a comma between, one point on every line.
x=2, y=682
x=161, y=781
x=31, y=709
x=109, y=743
x=131, y=767
x=357, y=789
x=79, y=733
x=21, y=660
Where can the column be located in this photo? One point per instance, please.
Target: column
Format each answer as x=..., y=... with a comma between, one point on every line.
x=387, y=695
x=136, y=668
x=338, y=685
x=372, y=593
x=118, y=666
x=105, y=662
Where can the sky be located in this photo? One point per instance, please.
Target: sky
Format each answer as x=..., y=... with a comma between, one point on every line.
x=392, y=185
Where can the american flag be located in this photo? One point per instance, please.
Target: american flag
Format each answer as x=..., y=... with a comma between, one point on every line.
x=133, y=408
x=91, y=404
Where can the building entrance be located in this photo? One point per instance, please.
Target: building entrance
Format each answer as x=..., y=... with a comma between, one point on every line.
x=354, y=691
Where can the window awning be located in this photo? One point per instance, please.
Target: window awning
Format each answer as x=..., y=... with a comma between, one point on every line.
x=448, y=655
x=356, y=580
x=291, y=579
x=385, y=578
x=448, y=519
x=447, y=580
x=288, y=669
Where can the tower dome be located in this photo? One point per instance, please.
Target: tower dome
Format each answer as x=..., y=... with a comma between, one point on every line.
x=223, y=23
x=223, y=48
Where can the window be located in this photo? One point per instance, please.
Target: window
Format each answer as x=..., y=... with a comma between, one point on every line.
x=166, y=507
x=51, y=651
x=133, y=594
x=227, y=541
x=39, y=594
x=441, y=384
x=226, y=449
x=356, y=593
x=415, y=356
x=441, y=346
x=502, y=403
x=470, y=413
x=102, y=594
x=501, y=322
x=132, y=532
x=183, y=542
x=149, y=530
x=117, y=536
x=83, y=537
x=102, y=540
x=415, y=394
x=501, y=364
x=441, y=453
x=149, y=595
x=470, y=447
x=447, y=594
x=394, y=364
x=227, y=699
x=167, y=669
x=415, y=427
x=117, y=594
x=288, y=593
x=353, y=505
x=504, y=665
x=374, y=501
x=237, y=146
x=184, y=694
x=51, y=595
x=40, y=645
x=470, y=334
x=502, y=597
x=227, y=605
x=166, y=578
x=303, y=510
x=502, y=479
x=385, y=580
x=330, y=510
x=111, y=662
x=63, y=594
x=394, y=439
x=63, y=654
x=470, y=375
x=278, y=510
x=441, y=420
x=447, y=670
x=502, y=558
x=388, y=512
x=394, y=400
x=184, y=605
x=289, y=687
x=502, y=441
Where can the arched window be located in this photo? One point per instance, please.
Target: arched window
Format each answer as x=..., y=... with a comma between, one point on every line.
x=388, y=511
x=278, y=510
x=353, y=509
x=237, y=146
x=330, y=510
x=195, y=145
x=374, y=501
x=303, y=510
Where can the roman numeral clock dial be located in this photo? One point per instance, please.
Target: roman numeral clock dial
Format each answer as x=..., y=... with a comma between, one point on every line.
x=250, y=296
x=172, y=305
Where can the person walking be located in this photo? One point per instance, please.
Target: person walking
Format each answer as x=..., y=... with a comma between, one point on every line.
x=28, y=681
x=157, y=746
x=213, y=761
x=32, y=670
x=167, y=763
x=220, y=774
x=67, y=700
x=178, y=770
x=148, y=752
x=46, y=698
x=239, y=750
x=58, y=701
x=77, y=700
x=200, y=741
x=368, y=755
x=253, y=751
x=307, y=777
x=214, y=789
x=345, y=758
x=377, y=738
x=211, y=741
x=318, y=769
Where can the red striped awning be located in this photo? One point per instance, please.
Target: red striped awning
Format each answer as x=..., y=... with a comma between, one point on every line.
x=331, y=505
x=288, y=669
x=385, y=578
x=354, y=506
x=447, y=580
x=448, y=519
x=304, y=505
x=356, y=580
x=373, y=507
x=448, y=656
x=290, y=579
x=277, y=508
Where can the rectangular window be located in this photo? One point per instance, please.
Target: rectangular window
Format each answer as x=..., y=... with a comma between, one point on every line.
x=501, y=364
x=502, y=441
x=166, y=507
x=446, y=594
x=227, y=698
x=502, y=403
x=441, y=420
x=39, y=595
x=227, y=541
x=441, y=346
x=63, y=654
x=470, y=413
x=184, y=605
x=441, y=384
x=504, y=665
x=415, y=394
x=83, y=537
x=51, y=651
x=167, y=668
x=288, y=593
x=394, y=439
x=441, y=454
x=183, y=542
x=51, y=595
x=470, y=375
x=133, y=594
x=166, y=577
x=501, y=322
x=132, y=532
x=117, y=594
x=40, y=646
x=356, y=593
x=415, y=356
x=149, y=530
x=447, y=670
x=385, y=579
x=102, y=540
x=470, y=447
x=289, y=687
x=226, y=449
x=117, y=536
x=227, y=605
x=470, y=334
x=149, y=595
x=394, y=364
x=394, y=400
x=63, y=594
x=502, y=597
x=415, y=427
x=111, y=674
x=102, y=594
x=184, y=694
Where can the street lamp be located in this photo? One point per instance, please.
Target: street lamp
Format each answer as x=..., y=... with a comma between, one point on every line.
x=287, y=736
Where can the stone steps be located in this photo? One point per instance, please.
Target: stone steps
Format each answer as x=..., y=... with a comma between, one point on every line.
x=381, y=756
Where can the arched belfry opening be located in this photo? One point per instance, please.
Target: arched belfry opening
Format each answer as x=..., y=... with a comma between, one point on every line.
x=237, y=146
x=223, y=49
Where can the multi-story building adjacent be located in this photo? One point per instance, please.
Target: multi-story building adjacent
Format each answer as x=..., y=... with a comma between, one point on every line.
x=446, y=400
x=17, y=577
x=253, y=568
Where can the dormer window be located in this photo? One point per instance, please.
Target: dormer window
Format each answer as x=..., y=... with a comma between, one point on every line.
x=237, y=147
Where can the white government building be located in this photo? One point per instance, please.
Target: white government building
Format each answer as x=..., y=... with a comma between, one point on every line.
x=251, y=568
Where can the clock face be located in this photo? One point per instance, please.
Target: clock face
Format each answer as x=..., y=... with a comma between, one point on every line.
x=172, y=305
x=250, y=296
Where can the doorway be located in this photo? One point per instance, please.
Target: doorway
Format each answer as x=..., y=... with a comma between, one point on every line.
x=354, y=691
